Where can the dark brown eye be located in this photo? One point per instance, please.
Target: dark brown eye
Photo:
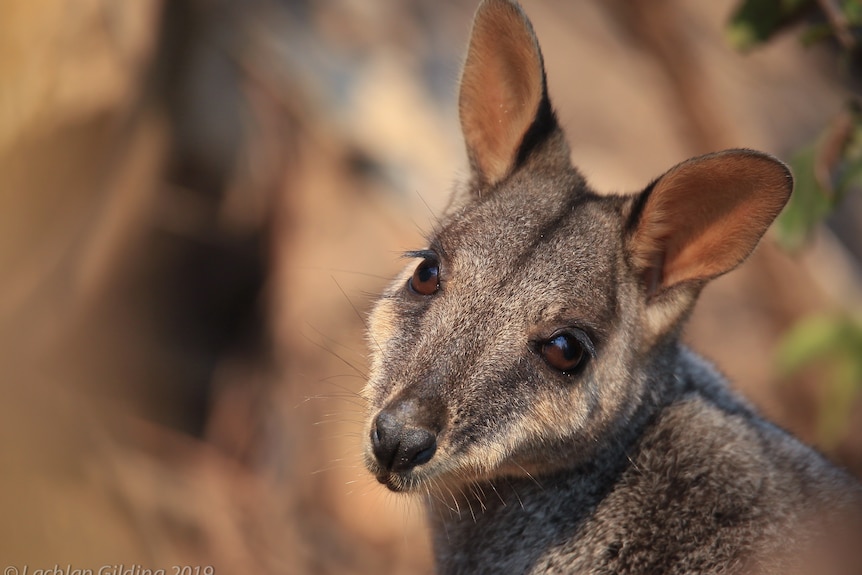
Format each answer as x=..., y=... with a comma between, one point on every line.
x=426, y=278
x=564, y=352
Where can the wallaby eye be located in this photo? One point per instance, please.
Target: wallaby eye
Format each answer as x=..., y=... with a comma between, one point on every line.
x=426, y=278
x=564, y=352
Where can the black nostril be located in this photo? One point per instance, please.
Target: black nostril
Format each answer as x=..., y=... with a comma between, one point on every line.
x=417, y=447
x=385, y=438
x=425, y=448
x=398, y=446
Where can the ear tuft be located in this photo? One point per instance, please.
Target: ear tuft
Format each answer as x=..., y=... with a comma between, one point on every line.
x=503, y=91
x=705, y=216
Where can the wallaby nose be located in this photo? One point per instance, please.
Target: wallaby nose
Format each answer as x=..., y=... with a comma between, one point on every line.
x=399, y=446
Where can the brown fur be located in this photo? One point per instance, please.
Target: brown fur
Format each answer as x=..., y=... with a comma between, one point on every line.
x=636, y=459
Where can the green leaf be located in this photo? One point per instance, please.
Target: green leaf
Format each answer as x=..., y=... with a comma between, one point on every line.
x=839, y=394
x=837, y=153
x=755, y=21
x=833, y=343
x=811, y=339
x=850, y=168
x=816, y=33
x=808, y=204
x=852, y=11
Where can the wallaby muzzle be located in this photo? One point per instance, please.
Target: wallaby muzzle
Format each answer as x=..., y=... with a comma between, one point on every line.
x=398, y=441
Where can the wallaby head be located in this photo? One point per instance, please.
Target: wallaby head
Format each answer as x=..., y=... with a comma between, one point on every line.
x=541, y=320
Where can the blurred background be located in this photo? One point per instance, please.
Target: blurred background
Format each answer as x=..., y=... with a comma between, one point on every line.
x=200, y=198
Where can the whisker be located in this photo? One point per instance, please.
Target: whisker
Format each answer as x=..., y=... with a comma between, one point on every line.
x=359, y=315
x=477, y=490
x=528, y=474
x=454, y=501
x=332, y=339
x=350, y=400
x=515, y=493
x=343, y=413
x=339, y=271
x=500, y=497
x=343, y=360
x=431, y=212
x=330, y=380
x=332, y=421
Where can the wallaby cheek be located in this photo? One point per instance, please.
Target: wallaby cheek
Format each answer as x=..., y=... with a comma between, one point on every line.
x=489, y=453
x=381, y=327
x=582, y=408
x=617, y=385
x=384, y=326
x=385, y=317
x=558, y=415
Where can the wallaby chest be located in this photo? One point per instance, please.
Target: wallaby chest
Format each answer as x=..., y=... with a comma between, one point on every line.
x=691, y=495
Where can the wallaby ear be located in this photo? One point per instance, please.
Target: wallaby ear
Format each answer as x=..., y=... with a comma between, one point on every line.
x=704, y=217
x=503, y=104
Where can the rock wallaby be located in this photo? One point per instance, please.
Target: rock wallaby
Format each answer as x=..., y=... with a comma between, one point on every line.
x=527, y=376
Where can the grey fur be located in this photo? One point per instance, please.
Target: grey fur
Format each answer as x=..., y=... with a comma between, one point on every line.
x=643, y=461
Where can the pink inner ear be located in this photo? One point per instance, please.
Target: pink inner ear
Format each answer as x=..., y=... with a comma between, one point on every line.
x=501, y=87
x=705, y=216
